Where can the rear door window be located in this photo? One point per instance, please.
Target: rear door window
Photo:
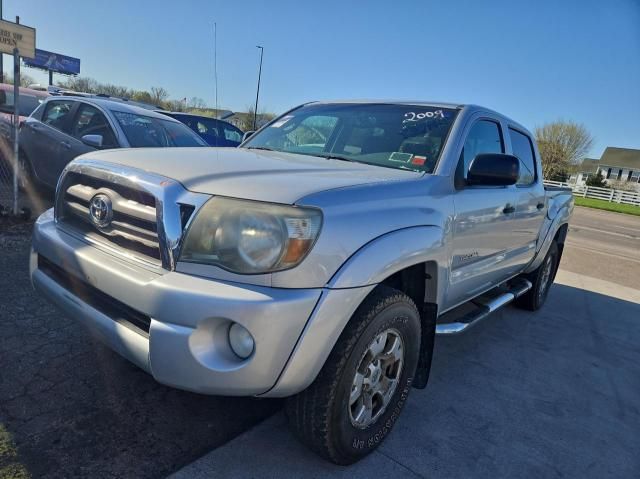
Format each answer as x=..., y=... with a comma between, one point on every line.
x=523, y=149
x=57, y=114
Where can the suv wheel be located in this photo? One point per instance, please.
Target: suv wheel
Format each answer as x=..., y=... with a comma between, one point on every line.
x=26, y=179
x=359, y=393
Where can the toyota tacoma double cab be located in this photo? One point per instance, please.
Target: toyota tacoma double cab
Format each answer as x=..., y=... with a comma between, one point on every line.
x=316, y=262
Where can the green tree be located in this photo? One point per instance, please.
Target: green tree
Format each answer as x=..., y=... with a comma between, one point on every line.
x=562, y=144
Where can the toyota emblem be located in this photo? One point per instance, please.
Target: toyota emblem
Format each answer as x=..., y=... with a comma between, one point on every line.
x=101, y=210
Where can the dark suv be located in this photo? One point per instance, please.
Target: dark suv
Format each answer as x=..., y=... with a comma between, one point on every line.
x=64, y=127
x=215, y=132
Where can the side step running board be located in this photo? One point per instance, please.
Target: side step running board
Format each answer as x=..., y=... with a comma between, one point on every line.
x=485, y=308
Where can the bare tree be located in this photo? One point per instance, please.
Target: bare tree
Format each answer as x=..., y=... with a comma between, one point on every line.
x=247, y=118
x=196, y=103
x=562, y=145
x=158, y=95
x=25, y=80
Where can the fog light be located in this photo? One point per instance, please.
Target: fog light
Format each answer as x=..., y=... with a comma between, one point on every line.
x=241, y=341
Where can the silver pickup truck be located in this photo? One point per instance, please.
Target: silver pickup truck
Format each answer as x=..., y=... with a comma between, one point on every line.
x=316, y=262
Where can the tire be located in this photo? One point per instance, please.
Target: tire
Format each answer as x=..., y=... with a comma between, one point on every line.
x=323, y=416
x=27, y=181
x=541, y=279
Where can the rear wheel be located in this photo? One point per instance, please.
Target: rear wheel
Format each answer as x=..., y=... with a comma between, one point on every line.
x=541, y=279
x=359, y=393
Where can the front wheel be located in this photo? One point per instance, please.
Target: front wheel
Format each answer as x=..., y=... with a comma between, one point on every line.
x=361, y=390
x=26, y=177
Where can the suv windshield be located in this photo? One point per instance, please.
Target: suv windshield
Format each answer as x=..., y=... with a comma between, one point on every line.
x=395, y=136
x=145, y=131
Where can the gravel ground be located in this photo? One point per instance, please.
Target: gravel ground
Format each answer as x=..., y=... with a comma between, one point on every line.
x=70, y=407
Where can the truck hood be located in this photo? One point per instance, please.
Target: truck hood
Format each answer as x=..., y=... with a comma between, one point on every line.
x=251, y=174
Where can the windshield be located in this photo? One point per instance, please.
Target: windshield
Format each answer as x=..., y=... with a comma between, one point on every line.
x=145, y=131
x=395, y=136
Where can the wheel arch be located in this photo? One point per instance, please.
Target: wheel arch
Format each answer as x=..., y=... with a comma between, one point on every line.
x=414, y=266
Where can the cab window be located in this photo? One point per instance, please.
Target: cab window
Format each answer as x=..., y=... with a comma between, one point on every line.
x=523, y=150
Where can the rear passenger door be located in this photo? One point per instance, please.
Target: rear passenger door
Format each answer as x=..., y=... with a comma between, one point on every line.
x=530, y=196
x=45, y=138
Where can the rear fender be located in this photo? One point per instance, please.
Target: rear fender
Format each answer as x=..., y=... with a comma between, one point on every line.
x=562, y=215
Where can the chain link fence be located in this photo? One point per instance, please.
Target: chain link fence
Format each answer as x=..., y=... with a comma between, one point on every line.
x=6, y=167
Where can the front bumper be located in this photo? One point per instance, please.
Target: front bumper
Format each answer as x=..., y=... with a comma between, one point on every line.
x=185, y=342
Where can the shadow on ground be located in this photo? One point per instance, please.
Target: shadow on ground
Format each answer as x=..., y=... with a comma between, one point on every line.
x=72, y=408
x=529, y=395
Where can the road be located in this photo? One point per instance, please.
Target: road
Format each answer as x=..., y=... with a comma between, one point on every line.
x=604, y=245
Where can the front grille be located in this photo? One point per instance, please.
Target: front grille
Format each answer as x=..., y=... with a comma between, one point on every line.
x=107, y=305
x=133, y=226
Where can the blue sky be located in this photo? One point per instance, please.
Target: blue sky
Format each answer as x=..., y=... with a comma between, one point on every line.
x=536, y=61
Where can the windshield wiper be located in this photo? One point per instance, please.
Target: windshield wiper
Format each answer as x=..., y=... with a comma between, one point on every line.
x=259, y=148
x=338, y=157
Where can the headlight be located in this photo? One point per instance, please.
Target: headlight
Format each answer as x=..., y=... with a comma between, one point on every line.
x=249, y=237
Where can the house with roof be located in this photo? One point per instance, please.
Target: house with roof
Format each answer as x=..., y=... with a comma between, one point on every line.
x=615, y=164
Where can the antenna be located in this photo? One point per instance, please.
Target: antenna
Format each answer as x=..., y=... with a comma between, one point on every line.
x=215, y=61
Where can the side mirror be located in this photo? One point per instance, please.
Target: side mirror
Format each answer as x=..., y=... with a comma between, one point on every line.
x=94, y=141
x=247, y=135
x=493, y=169
x=3, y=97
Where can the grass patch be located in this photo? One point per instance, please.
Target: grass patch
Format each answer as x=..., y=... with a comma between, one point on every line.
x=605, y=205
x=9, y=467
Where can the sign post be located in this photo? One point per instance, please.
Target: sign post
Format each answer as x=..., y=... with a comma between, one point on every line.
x=20, y=41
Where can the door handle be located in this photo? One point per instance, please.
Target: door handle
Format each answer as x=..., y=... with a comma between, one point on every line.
x=540, y=206
x=66, y=145
x=508, y=209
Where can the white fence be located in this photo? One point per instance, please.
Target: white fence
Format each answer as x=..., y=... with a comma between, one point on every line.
x=606, y=194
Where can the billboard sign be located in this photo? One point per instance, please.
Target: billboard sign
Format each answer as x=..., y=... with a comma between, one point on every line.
x=14, y=35
x=54, y=62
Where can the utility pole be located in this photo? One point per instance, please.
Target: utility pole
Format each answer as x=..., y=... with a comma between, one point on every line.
x=255, y=112
x=1, y=54
x=16, y=125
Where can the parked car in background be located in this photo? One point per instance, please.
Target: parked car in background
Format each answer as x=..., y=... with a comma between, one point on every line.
x=215, y=132
x=30, y=99
x=64, y=127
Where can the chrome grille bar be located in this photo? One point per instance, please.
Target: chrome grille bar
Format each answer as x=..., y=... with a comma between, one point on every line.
x=148, y=210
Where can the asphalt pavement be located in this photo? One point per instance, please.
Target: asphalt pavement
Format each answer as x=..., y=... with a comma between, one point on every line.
x=604, y=245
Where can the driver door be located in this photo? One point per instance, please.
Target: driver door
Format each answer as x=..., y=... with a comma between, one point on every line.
x=483, y=224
